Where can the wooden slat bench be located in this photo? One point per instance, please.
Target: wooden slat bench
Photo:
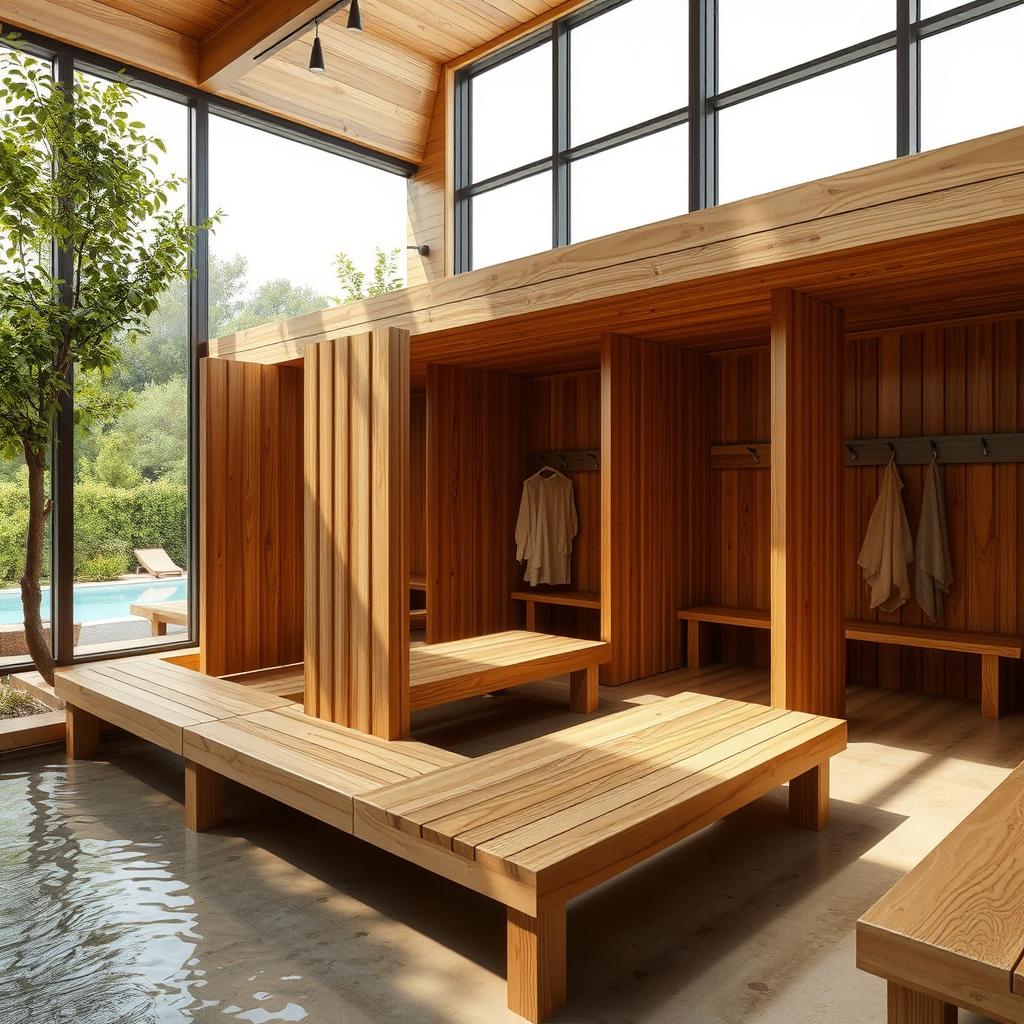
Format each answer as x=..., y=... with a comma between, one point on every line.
x=990, y=646
x=539, y=823
x=440, y=673
x=951, y=933
x=174, y=613
x=562, y=598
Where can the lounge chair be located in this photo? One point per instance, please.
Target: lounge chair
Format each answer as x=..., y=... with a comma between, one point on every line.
x=157, y=562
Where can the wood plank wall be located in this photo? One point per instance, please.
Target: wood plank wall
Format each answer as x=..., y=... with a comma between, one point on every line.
x=476, y=461
x=356, y=532
x=250, y=518
x=565, y=414
x=654, y=506
x=426, y=202
x=418, y=483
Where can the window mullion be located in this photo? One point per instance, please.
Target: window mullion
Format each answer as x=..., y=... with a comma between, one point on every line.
x=703, y=118
x=908, y=77
x=560, y=55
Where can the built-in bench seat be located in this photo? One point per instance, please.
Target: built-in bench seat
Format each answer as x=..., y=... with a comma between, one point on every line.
x=951, y=933
x=562, y=598
x=990, y=646
x=284, y=681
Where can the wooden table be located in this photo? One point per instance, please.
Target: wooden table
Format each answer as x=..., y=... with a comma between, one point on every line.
x=161, y=615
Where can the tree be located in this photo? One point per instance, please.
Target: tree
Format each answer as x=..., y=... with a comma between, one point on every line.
x=353, y=280
x=272, y=301
x=78, y=173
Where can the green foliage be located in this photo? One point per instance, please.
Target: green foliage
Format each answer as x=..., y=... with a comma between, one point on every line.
x=13, y=529
x=272, y=301
x=16, y=703
x=353, y=280
x=102, y=567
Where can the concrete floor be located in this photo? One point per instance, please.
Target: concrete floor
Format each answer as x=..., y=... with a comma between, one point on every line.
x=111, y=912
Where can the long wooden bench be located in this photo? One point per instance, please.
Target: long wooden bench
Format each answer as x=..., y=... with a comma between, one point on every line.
x=561, y=598
x=951, y=933
x=990, y=646
x=174, y=613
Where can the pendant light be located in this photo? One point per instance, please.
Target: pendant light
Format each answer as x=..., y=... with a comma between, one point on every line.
x=355, y=20
x=316, y=55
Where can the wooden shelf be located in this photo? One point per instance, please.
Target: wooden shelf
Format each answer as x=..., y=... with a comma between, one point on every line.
x=567, y=598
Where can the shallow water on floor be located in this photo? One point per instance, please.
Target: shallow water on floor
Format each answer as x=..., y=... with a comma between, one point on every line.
x=97, y=928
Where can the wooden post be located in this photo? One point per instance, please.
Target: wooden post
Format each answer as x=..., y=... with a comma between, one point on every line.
x=807, y=646
x=808, y=799
x=357, y=532
x=907, y=1006
x=82, y=735
x=204, y=797
x=584, y=692
x=536, y=962
x=992, y=696
x=698, y=643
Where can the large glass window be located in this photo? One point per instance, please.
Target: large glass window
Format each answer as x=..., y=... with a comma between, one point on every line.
x=512, y=221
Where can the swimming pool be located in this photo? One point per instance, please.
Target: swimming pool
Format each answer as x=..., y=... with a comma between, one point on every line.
x=100, y=602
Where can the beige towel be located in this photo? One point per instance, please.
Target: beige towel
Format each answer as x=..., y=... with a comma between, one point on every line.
x=933, y=573
x=888, y=547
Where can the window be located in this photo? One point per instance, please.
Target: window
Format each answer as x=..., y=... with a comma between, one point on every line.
x=644, y=122
x=512, y=221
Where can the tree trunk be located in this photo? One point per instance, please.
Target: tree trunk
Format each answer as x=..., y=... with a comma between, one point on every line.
x=31, y=594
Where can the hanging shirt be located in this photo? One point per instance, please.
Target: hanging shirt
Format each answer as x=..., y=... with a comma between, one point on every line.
x=545, y=528
x=888, y=547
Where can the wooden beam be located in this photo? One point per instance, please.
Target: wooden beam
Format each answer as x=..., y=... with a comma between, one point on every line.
x=234, y=47
x=808, y=657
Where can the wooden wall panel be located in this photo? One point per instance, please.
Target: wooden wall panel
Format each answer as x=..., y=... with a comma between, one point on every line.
x=807, y=644
x=429, y=197
x=418, y=482
x=250, y=516
x=476, y=461
x=356, y=531
x=654, y=506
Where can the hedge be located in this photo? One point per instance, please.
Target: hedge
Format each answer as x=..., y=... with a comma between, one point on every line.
x=109, y=523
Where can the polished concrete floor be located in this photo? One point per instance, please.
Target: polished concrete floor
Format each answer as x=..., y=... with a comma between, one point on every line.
x=111, y=912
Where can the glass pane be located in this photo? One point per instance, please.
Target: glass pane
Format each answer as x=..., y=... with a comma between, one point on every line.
x=970, y=80
x=823, y=126
x=929, y=8
x=511, y=119
x=289, y=213
x=637, y=183
x=512, y=221
x=131, y=474
x=628, y=66
x=757, y=38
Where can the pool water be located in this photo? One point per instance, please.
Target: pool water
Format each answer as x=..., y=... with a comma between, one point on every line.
x=100, y=602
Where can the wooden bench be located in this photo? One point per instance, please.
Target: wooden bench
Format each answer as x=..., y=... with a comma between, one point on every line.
x=951, y=933
x=990, y=646
x=536, y=824
x=440, y=673
x=174, y=613
x=564, y=598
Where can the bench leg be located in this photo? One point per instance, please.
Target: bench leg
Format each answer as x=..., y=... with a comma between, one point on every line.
x=808, y=799
x=536, y=962
x=204, y=797
x=909, y=1007
x=991, y=687
x=698, y=644
x=159, y=628
x=583, y=690
x=82, y=737
x=531, y=616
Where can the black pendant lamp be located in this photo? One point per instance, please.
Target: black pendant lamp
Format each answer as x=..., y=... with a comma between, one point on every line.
x=316, y=55
x=355, y=20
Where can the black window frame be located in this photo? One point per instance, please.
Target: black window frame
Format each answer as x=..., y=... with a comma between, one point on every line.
x=66, y=60
x=701, y=112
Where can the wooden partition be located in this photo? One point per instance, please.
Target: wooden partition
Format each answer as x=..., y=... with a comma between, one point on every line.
x=418, y=483
x=807, y=644
x=476, y=458
x=654, y=507
x=250, y=516
x=356, y=529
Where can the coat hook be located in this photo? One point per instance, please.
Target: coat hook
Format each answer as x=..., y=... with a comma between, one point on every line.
x=985, y=450
x=892, y=452
x=594, y=459
x=935, y=451
x=853, y=452
x=754, y=454
x=565, y=462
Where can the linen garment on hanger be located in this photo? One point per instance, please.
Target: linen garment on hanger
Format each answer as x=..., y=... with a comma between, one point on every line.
x=933, y=571
x=888, y=546
x=546, y=527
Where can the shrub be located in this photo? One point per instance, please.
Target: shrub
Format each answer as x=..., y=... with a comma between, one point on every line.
x=102, y=567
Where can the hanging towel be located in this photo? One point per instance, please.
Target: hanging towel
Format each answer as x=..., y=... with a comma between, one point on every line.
x=545, y=528
x=888, y=547
x=933, y=575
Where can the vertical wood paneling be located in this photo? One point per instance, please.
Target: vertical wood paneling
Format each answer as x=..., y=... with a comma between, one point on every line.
x=426, y=201
x=655, y=433
x=808, y=658
x=251, y=579
x=476, y=460
x=357, y=507
x=418, y=483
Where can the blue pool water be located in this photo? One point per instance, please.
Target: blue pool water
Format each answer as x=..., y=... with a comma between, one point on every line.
x=99, y=602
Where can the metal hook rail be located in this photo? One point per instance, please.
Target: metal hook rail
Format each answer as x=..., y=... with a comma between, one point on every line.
x=583, y=461
x=942, y=448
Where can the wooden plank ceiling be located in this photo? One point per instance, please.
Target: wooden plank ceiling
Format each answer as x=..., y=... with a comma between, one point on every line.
x=379, y=87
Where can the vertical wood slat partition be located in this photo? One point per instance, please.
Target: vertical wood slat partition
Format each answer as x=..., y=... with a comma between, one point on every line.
x=654, y=500
x=357, y=531
x=807, y=643
x=476, y=458
x=250, y=517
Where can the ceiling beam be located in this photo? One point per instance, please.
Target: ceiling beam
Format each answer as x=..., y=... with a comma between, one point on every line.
x=233, y=48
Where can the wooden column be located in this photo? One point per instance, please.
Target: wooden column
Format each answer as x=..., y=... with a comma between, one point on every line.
x=476, y=461
x=907, y=1006
x=357, y=531
x=808, y=661
x=250, y=519
x=655, y=444
x=536, y=961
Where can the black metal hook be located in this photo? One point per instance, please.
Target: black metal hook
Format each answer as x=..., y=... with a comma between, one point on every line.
x=853, y=452
x=892, y=452
x=935, y=451
x=754, y=454
x=985, y=450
